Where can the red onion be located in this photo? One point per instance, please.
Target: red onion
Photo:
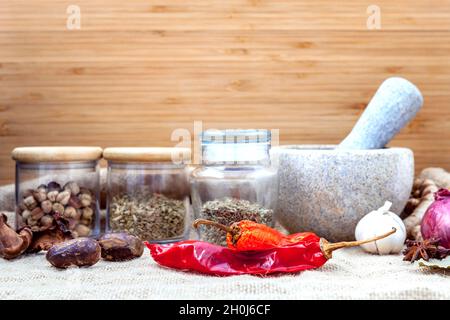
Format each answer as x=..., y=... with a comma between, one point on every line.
x=436, y=221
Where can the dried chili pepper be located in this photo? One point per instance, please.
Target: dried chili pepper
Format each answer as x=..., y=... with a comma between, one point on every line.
x=255, y=249
x=248, y=235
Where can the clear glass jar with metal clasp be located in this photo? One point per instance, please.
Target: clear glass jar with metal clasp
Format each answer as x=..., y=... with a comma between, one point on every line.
x=235, y=182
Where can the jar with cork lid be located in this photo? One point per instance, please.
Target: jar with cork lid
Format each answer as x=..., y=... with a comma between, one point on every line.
x=58, y=188
x=148, y=192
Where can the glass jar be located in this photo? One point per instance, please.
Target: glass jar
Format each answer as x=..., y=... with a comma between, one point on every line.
x=58, y=188
x=148, y=192
x=235, y=182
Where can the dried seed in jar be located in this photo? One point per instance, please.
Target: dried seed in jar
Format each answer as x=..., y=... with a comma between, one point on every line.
x=54, y=186
x=52, y=195
x=85, y=191
x=31, y=222
x=86, y=222
x=26, y=214
x=40, y=196
x=87, y=213
x=85, y=199
x=70, y=213
x=82, y=230
x=27, y=193
x=30, y=202
x=73, y=187
x=75, y=202
x=46, y=222
x=42, y=188
x=73, y=223
x=63, y=197
x=47, y=206
x=37, y=214
x=58, y=208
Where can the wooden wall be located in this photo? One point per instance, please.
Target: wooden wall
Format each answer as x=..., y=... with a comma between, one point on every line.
x=138, y=69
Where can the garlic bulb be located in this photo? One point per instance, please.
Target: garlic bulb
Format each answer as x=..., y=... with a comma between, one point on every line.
x=379, y=222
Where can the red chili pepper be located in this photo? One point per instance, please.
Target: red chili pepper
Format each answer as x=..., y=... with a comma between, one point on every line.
x=263, y=252
x=248, y=235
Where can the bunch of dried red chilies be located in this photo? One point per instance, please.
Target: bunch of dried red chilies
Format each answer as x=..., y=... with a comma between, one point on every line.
x=252, y=249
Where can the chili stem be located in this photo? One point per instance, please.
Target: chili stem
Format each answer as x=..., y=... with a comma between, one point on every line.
x=211, y=223
x=328, y=248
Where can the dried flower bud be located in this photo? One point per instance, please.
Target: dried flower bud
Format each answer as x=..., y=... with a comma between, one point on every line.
x=22, y=207
x=73, y=187
x=85, y=191
x=63, y=197
x=72, y=224
x=42, y=188
x=75, y=202
x=47, y=206
x=30, y=202
x=40, y=196
x=31, y=222
x=86, y=222
x=82, y=230
x=37, y=213
x=58, y=208
x=86, y=199
x=70, y=213
x=87, y=213
x=27, y=193
x=54, y=186
x=26, y=214
x=46, y=222
x=52, y=195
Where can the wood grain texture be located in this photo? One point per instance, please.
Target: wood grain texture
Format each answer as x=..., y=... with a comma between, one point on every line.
x=139, y=69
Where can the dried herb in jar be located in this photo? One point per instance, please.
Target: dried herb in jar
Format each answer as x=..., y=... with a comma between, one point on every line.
x=149, y=217
x=230, y=210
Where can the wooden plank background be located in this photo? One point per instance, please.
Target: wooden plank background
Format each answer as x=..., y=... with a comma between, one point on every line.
x=139, y=69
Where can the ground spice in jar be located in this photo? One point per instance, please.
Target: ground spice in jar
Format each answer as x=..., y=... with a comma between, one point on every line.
x=227, y=211
x=149, y=217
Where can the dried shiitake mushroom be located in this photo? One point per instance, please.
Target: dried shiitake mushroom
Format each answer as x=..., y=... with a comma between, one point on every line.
x=120, y=246
x=44, y=240
x=13, y=244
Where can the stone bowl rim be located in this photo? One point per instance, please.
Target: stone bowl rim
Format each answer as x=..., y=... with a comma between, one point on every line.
x=331, y=149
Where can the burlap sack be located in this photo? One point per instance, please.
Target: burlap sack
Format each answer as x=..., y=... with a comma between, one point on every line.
x=350, y=274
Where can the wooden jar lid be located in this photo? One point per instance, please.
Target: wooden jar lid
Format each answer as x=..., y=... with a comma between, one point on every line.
x=56, y=154
x=155, y=154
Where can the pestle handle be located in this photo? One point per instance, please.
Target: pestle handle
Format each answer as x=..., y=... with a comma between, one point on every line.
x=395, y=103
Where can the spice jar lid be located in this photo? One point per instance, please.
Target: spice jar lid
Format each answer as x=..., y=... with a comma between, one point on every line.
x=154, y=154
x=56, y=154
